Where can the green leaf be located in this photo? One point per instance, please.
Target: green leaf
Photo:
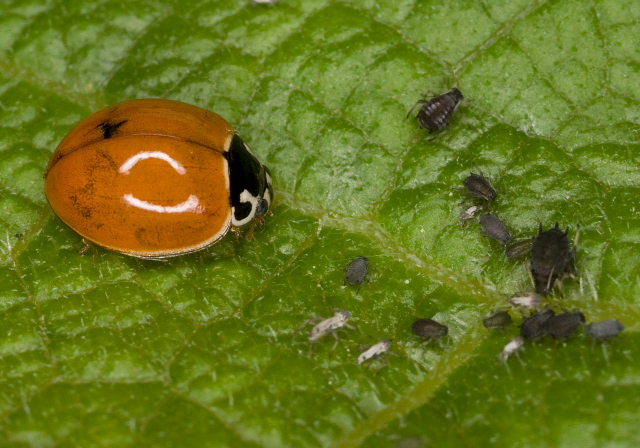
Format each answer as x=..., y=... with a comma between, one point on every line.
x=207, y=349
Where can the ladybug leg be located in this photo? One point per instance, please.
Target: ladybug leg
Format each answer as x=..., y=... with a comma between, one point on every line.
x=85, y=248
x=237, y=231
x=440, y=133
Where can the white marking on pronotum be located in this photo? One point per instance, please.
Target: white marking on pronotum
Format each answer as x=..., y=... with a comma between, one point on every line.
x=192, y=204
x=126, y=167
x=245, y=196
x=375, y=350
x=248, y=149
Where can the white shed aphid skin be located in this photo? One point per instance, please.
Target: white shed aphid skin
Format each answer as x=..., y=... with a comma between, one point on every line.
x=470, y=212
x=527, y=299
x=330, y=325
x=512, y=347
x=375, y=350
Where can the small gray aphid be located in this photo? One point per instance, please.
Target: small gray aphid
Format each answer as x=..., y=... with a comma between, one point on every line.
x=499, y=319
x=562, y=326
x=356, y=271
x=375, y=350
x=429, y=328
x=512, y=347
x=518, y=248
x=535, y=326
x=605, y=329
x=495, y=228
x=436, y=113
x=479, y=187
x=550, y=256
x=528, y=299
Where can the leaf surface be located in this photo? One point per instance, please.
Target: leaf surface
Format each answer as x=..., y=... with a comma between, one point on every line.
x=207, y=349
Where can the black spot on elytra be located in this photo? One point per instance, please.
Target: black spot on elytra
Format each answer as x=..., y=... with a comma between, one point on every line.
x=108, y=129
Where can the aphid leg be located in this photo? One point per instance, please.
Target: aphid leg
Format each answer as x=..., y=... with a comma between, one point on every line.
x=571, y=271
x=549, y=283
x=605, y=352
x=335, y=335
x=414, y=106
x=440, y=133
x=383, y=358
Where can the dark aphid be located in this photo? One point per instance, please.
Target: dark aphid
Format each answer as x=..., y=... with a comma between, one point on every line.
x=564, y=325
x=436, y=113
x=550, y=256
x=429, y=328
x=535, y=326
x=479, y=187
x=518, y=248
x=604, y=330
x=495, y=228
x=499, y=319
x=356, y=271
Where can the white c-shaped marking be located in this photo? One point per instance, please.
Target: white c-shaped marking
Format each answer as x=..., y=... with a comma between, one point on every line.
x=245, y=196
x=192, y=204
x=125, y=168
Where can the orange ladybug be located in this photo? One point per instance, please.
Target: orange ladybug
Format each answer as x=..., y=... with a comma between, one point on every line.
x=155, y=178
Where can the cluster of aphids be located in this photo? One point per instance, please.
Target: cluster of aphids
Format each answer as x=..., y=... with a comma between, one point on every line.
x=551, y=257
x=357, y=272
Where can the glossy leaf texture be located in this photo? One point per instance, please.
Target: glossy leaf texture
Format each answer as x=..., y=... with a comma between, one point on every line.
x=206, y=350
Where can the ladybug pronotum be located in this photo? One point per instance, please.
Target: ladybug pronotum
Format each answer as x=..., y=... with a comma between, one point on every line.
x=156, y=178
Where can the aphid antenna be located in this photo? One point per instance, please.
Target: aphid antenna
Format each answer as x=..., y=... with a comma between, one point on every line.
x=592, y=287
x=273, y=333
x=439, y=133
x=480, y=170
x=313, y=319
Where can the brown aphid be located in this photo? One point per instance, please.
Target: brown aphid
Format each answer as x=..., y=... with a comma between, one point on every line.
x=479, y=187
x=550, y=256
x=429, y=328
x=518, y=248
x=499, y=319
x=535, y=326
x=562, y=326
x=436, y=113
x=495, y=228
